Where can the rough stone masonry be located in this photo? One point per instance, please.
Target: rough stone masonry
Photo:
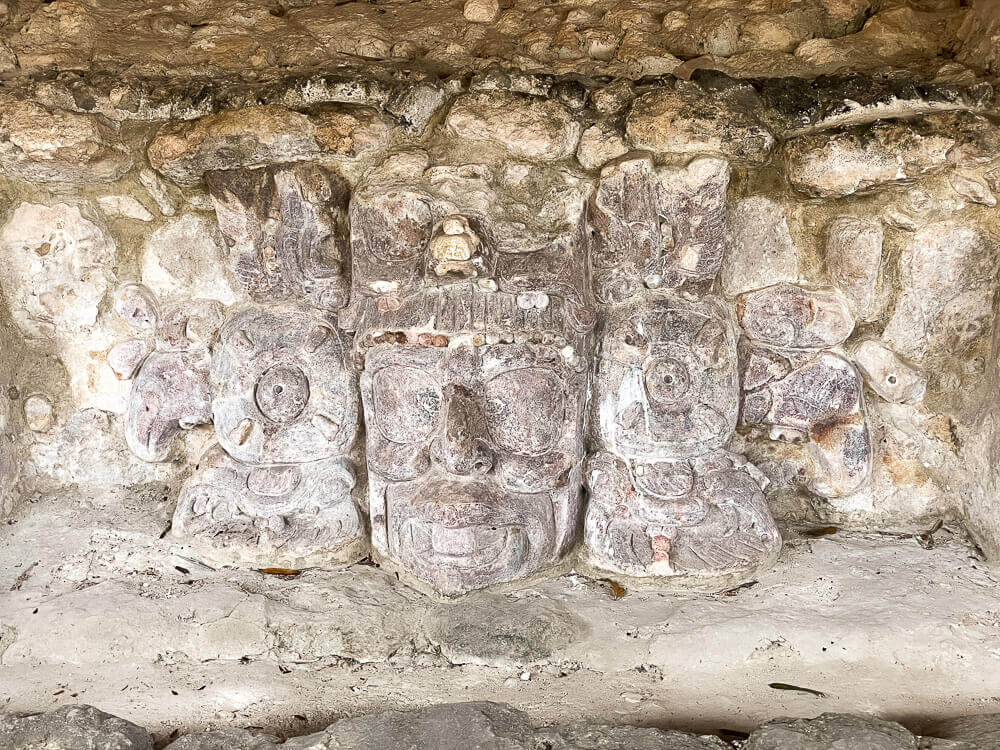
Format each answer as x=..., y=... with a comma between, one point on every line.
x=488, y=293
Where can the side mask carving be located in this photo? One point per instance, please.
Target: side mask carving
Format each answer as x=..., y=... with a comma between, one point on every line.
x=274, y=376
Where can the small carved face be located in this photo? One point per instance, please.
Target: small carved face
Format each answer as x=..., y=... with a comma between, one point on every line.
x=283, y=393
x=666, y=380
x=472, y=456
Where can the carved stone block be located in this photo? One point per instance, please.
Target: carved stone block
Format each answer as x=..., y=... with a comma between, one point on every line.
x=282, y=389
x=815, y=397
x=666, y=501
x=787, y=316
x=287, y=515
x=701, y=521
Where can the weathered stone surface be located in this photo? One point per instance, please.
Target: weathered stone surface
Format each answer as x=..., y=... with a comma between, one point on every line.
x=947, y=294
x=972, y=189
x=592, y=737
x=282, y=392
x=288, y=516
x=184, y=151
x=124, y=207
x=864, y=158
x=286, y=228
x=529, y=128
x=42, y=145
x=814, y=397
x=831, y=732
x=853, y=259
x=788, y=316
x=963, y=733
x=59, y=266
x=760, y=248
x=599, y=144
x=225, y=739
x=888, y=375
x=71, y=728
x=682, y=121
x=506, y=632
x=185, y=258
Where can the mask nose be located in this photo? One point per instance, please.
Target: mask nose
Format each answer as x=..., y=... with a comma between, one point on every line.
x=463, y=447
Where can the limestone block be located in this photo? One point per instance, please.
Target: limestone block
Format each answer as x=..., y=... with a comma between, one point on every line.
x=71, y=727
x=186, y=258
x=760, y=248
x=853, y=259
x=670, y=122
x=455, y=726
x=832, y=165
x=831, y=732
x=947, y=271
x=184, y=151
x=599, y=144
x=56, y=146
x=530, y=128
x=59, y=266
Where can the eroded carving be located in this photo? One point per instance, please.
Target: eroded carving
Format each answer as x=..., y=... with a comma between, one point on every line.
x=815, y=398
x=474, y=383
x=666, y=499
x=787, y=316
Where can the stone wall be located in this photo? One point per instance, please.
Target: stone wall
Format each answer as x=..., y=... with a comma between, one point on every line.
x=879, y=190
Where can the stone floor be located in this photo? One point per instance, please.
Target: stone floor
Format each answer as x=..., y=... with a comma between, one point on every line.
x=95, y=608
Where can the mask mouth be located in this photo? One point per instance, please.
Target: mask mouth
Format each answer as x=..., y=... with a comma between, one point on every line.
x=465, y=535
x=469, y=548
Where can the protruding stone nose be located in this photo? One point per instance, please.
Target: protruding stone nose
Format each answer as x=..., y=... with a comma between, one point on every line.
x=463, y=447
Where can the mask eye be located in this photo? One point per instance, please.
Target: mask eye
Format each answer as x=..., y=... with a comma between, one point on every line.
x=526, y=410
x=667, y=380
x=407, y=403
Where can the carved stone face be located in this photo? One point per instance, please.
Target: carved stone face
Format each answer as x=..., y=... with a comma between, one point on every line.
x=665, y=499
x=666, y=380
x=473, y=456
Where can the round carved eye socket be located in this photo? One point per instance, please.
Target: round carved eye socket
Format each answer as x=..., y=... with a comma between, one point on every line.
x=667, y=380
x=282, y=392
x=526, y=410
x=406, y=402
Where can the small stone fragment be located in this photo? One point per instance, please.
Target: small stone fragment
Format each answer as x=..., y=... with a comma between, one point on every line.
x=124, y=207
x=158, y=191
x=137, y=306
x=853, y=258
x=887, y=374
x=125, y=358
x=527, y=127
x=38, y=413
x=760, y=248
x=481, y=11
